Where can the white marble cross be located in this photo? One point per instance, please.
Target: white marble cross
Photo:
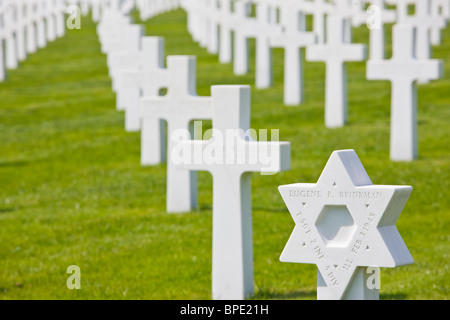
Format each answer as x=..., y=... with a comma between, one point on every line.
x=2, y=65
x=178, y=108
x=11, y=56
x=335, y=52
x=243, y=27
x=212, y=25
x=225, y=43
x=378, y=16
x=319, y=9
x=231, y=155
x=50, y=21
x=20, y=31
x=195, y=20
x=344, y=9
x=40, y=25
x=343, y=224
x=441, y=8
x=31, y=41
x=128, y=57
x=292, y=40
x=424, y=22
x=403, y=70
x=149, y=80
x=265, y=29
x=111, y=31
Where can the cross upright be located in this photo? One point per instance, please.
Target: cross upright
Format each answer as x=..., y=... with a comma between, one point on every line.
x=31, y=44
x=336, y=52
x=378, y=17
x=401, y=7
x=128, y=57
x=40, y=25
x=265, y=29
x=2, y=65
x=11, y=56
x=242, y=27
x=292, y=40
x=225, y=46
x=319, y=9
x=439, y=8
x=50, y=20
x=403, y=70
x=424, y=22
x=230, y=156
x=149, y=80
x=112, y=31
x=178, y=108
x=344, y=9
x=212, y=26
x=21, y=21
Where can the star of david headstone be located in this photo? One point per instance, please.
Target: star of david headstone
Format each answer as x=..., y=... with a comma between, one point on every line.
x=344, y=223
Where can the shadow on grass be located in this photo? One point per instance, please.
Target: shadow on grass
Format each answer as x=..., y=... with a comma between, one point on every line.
x=311, y=295
x=291, y=295
x=7, y=210
x=14, y=163
x=204, y=207
x=393, y=296
x=273, y=210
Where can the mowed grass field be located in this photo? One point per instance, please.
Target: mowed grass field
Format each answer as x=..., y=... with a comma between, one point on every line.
x=73, y=192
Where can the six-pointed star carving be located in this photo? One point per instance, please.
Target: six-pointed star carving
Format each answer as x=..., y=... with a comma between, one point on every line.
x=344, y=222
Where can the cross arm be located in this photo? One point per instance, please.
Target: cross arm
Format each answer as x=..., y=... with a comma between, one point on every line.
x=271, y=157
x=300, y=39
x=412, y=70
x=135, y=78
x=195, y=108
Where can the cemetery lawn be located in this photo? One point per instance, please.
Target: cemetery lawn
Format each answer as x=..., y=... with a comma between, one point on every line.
x=73, y=191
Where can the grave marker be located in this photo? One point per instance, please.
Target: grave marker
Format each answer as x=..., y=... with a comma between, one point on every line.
x=128, y=57
x=378, y=17
x=11, y=57
x=242, y=28
x=343, y=224
x=292, y=40
x=40, y=26
x=150, y=80
x=178, y=108
x=31, y=42
x=265, y=29
x=426, y=25
x=403, y=70
x=231, y=158
x=20, y=32
x=225, y=46
x=146, y=79
x=2, y=65
x=318, y=9
x=336, y=52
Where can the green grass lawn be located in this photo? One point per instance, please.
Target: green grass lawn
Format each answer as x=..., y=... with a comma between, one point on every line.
x=73, y=191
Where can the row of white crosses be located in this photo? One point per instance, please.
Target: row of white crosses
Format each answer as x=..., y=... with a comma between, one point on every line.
x=150, y=8
x=231, y=155
x=410, y=64
x=278, y=24
x=232, y=228
x=330, y=44
x=27, y=25
x=287, y=32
